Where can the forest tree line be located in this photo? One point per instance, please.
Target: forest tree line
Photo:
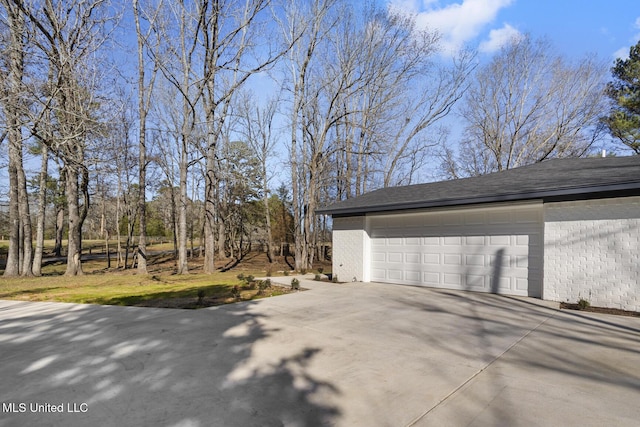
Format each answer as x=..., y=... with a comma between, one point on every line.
x=224, y=119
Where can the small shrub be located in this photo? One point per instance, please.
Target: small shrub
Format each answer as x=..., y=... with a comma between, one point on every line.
x=286, y=272
x=318, y=278
x=263, y=285
x=583, y=304
x=295, y=284
x=303, y=271
x=235, y=292
x=240, y=276
x=334, y=278
x=201, y=295
x=320, y=270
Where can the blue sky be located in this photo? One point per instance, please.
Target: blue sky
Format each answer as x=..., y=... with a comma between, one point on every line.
x=575, y=27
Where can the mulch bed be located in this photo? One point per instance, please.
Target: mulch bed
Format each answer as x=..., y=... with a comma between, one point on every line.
x=603, y=310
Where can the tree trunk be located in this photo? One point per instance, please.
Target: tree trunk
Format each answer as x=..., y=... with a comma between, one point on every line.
x=12, y=268
x=143, y=108
x=42, y=204
x=74, y=249
x=183, y=267
x=267, y=217
x=12, y=101
x=25, y=220
x=57, y=250
x=209, y=213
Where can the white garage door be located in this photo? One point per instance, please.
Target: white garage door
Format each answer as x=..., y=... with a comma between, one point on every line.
x=495, y=250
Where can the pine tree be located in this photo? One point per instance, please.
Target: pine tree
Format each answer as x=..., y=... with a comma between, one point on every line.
x=624, y=119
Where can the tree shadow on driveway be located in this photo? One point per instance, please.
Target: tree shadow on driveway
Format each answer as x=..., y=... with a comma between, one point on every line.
x=527, y=357
x=138, y=366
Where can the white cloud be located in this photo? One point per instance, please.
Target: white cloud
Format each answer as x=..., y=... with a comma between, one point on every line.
x=498, y=38
x=623, y=52
x=458, y=23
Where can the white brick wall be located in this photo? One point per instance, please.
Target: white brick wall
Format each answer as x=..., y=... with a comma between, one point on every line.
x=349, y=245
x=592, y=251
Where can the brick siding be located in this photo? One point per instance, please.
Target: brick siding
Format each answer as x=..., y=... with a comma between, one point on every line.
x=592, y=251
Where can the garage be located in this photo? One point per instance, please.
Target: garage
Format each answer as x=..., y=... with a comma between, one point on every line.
x=495, y=250
x=562, y=230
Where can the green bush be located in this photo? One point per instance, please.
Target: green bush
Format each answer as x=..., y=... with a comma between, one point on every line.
x=583, y=304
x=295, y=284
x=263, y=284
x=318, y=278
x=235, y=292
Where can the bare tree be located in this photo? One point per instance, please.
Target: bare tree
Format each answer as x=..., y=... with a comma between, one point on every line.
x=526, y=105
x=304, y=26
x=176, y=58
x=69, y=36
x=145, y=90
x=258, y=128
x=366, y=97
x=19, y=257
x=234, y=48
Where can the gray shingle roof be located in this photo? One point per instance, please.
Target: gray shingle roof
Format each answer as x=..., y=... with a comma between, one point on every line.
x=557, y=179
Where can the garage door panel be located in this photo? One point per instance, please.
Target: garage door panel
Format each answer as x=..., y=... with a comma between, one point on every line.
x=431, y=259
x=482, y=251
x=378, y=256
x=475, y=260
x=412, y=241
x=412, y=258
x=394, y=257
x=499, y=240
x=431, y=278
x=431, y=241
x=453, y=259
x=522, y=261
x=475, y=282
x=502, y=282
x=453, y=240
x=454, y=279
x=412, y=276
x=393, y=274
x=474, y=241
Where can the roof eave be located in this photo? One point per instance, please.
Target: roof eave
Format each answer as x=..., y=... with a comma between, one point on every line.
x=566, y=194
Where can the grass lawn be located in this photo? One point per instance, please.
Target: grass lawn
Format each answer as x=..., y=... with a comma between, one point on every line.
x=171, y=291
x=160, y=288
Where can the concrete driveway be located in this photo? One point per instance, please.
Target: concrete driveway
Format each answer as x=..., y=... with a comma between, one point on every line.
x=348, y=355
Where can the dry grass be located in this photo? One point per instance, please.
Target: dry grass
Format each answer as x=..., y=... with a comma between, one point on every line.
x=160, y=288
